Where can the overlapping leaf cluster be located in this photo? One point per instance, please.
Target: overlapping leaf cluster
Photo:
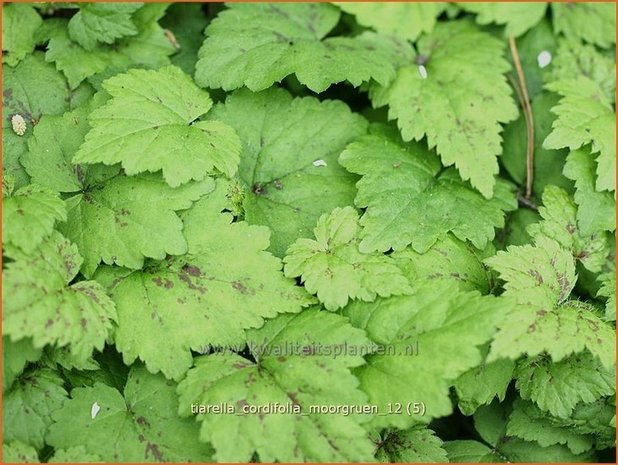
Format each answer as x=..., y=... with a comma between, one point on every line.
x=199, y=186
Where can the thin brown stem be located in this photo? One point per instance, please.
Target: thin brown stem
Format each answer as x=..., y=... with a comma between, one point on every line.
x=527, y=109
x=515, y=85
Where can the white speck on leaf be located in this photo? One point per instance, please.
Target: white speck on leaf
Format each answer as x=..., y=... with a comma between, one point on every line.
x=422, y=71
x=94, y=410
x=319, y=163
x=19, y=125
x=544, y=59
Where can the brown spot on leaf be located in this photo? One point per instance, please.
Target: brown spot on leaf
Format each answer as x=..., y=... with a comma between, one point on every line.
x=192, y=270
x=258, y=189
x=154, y=449
x=421, y=59
x=184, y=277
x=307, y=350
x=536, y=275
x=293, y=397
x=241, y=403
x=143, y=422
x=240, y=287
x=167, y=284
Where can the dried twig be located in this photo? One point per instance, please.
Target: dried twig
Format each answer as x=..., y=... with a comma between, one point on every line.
x=522, y=91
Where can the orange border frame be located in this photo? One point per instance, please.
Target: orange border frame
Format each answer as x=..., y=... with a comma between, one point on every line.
x=2, y=2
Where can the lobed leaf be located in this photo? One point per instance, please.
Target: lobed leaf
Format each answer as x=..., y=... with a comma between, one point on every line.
x=304, y=377
x=39, y=302
x=224, y=284
x=288, y=164
x=332, y=267
x=256, y=45
x=457, y=103
x=409, y=199
x=139, y=425
x=151, y=115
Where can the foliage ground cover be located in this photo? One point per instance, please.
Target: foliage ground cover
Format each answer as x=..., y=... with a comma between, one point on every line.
x=308, y=232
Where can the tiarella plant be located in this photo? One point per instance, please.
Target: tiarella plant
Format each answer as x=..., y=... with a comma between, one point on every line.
x=308, y=232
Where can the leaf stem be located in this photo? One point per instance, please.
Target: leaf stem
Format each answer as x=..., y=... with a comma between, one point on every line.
x=522, y=91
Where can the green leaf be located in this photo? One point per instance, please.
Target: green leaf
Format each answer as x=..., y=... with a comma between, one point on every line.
x=447, y=326
x=597, y=418
x=575, y=59
x=125, y=219
x=515, y=232
x=23, y=94
x=332, y=267
x=8, y=184
x=460, y=103
x=28, y=217
x=559, y=213
x=608, y=290
x=95, y=23
x=585, y=116
x=151, y=115
x=517, y=450
x=558, y=387
x=38, y=301
x=150, y=48
x=482, y=384
x=596, y=210
x=449, y=259
x=415, y=445
x=19, y=24
x=18, y=452
x=28, y=406
x=411, y=200
x=140, y=426
x=470, y=451
x=593, y=22
x=75, y=454
x=107, y=368
x=548, y=164
x=225, y=284
x=293, y=371
x=539, y=280
x=405, y=20
x=516, y=17
x=529, y=423
x=256, y=45
x=15, y=356
x=186, y=21
x=51, y=148
x=289, y=156
x=544, y=273
x=491, y=424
